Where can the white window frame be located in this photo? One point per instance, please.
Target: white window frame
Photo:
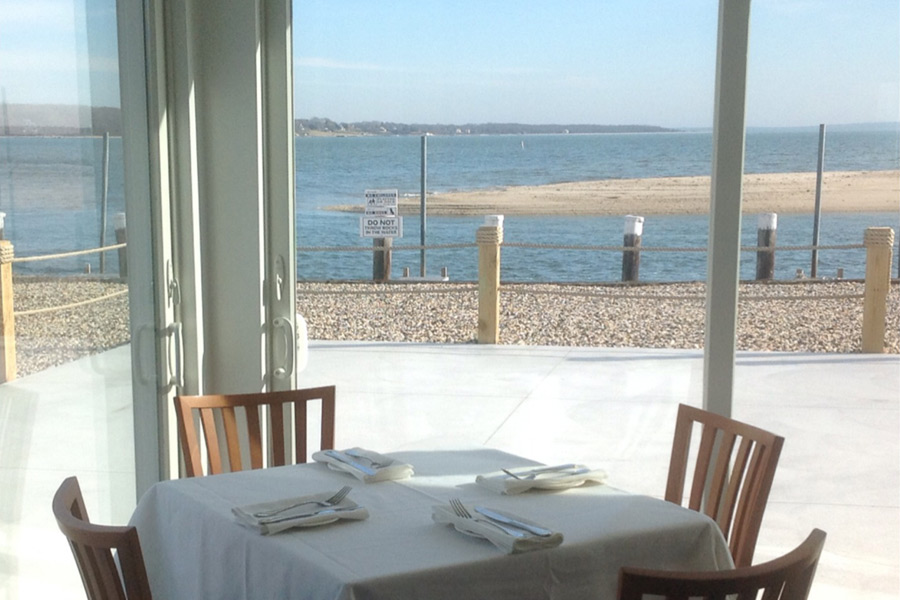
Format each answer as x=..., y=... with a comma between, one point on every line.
x=207, y=102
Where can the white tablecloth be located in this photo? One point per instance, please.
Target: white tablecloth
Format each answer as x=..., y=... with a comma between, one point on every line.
x=194, y=548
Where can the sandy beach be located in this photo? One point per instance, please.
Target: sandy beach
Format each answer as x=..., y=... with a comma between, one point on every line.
x=856, y=191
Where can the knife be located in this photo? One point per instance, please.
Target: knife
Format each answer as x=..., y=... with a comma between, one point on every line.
x=532, y=473
x=539, y=531
x=324, y=511
x=349, y=461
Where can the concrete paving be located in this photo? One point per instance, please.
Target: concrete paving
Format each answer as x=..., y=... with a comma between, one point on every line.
x=609, y=408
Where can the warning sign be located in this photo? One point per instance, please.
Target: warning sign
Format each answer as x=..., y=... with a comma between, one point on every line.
x=381, y=219
x=375, y=226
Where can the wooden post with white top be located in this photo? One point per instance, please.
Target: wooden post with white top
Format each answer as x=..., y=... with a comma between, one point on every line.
x=879, y=243
x=489, y=237
x=631, y=257
x=7, y=317
x=766, y=230
x=121, y=238
x=381, y=259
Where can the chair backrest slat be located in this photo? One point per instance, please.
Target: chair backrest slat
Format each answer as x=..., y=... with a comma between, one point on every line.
x=788, y=577
x=701, y=468
x=300, y=427
x=736, y=484
x=328, y=415
x=256, y=433
x=232, y=438
x=276, y=418
x=93, y=546
x=721, y=477
x=255, y=436
x=211, y=434
x=736, y=491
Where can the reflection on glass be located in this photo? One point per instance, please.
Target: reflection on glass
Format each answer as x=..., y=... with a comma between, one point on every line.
x=65, y=407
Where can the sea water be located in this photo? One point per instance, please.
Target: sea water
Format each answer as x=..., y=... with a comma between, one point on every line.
x=50, y=190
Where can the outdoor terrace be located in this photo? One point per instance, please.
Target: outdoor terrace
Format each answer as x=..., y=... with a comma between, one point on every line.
x=609, y=408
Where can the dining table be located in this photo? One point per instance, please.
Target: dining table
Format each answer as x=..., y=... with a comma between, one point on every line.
x=194, y=547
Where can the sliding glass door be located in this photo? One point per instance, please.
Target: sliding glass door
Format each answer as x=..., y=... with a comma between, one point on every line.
x=66, y=393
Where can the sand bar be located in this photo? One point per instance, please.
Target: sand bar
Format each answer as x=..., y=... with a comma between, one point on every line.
x=855, y=191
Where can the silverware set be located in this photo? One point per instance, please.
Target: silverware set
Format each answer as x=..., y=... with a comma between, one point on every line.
x=372, y=462
x=508, y=525
x=328, y=502
x=569, y=469
x=462, y=512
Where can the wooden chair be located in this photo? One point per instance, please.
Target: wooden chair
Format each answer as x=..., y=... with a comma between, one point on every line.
x=92, y=546
x=786, y=578
x=732, y=477
x=224, y=405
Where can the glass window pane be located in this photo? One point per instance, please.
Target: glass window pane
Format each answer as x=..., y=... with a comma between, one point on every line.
x=67, y=410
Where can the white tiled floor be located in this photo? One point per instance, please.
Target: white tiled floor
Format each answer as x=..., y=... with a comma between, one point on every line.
x=612, y=408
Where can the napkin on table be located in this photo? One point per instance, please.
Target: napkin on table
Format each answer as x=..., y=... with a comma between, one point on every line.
x=305, y=515
x=480, y=527
x=571, y=476
x=385, y=468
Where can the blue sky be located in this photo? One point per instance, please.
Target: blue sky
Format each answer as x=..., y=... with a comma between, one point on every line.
x=592, y=61
x=561, y=61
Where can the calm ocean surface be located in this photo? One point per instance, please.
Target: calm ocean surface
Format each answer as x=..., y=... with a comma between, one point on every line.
x=50, y=192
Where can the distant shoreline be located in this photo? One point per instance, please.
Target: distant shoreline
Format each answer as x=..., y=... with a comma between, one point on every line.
x=789, y=193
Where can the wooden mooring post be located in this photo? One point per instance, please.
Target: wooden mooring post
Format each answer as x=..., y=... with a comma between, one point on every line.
x=381, y=259
x=121, y=238
x=631, y=257
x=766, y=230
x=879, y=243
x=7, y=317
x=489, y=237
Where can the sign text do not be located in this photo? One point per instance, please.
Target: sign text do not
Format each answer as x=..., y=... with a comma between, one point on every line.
x=381, y=219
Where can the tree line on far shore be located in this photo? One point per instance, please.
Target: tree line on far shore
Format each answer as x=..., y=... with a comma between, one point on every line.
x=319, y=125
x=56, y=119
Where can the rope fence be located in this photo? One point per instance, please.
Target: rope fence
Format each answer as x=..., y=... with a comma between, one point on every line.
x=25, y=259
x=7, y=303
x=404, y=290
x=571, y=247
x=689, y=297
x=38, y=311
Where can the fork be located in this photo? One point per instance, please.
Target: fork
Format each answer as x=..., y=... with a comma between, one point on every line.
x=334, y=499
x=460, y=509
x=463, y=513
x=533, y=473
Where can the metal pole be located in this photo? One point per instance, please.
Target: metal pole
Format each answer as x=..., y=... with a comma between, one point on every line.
x=104, y=200
x=423, y=207
x=818, y=212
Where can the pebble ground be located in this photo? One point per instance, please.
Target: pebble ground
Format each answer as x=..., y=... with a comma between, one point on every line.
x=783, y=316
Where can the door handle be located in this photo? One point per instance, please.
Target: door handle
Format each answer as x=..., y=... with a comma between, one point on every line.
x=287, y=364
x=174, y=351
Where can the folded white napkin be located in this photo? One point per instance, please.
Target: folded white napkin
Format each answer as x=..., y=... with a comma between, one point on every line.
x=303, y=512
x=545, y=478
x=480, y=526
x=365, y=465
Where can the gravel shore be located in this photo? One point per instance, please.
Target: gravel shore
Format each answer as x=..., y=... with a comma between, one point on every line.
x=772, y=317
